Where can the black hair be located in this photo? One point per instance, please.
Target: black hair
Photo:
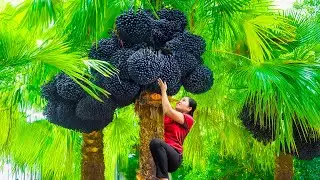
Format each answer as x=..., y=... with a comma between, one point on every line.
x=193, y=104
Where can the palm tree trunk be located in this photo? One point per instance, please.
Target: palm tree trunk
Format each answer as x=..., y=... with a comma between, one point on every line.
x=92, y=156
x=149, y=109
x=283, y=167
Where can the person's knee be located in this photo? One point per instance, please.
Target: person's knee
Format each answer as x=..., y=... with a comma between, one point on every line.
x=155, y=143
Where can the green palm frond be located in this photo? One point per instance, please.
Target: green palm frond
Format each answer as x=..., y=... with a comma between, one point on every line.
x=119, y=138
x=308, y=32
x=294, y=79
x=55, y=53
x=93, y=19
x=183, y=5
x=13, y=49
x=265, y=30
x=230, y=25
x=34, y=64
x=225, y=17
x=39, y=13
x=49, y=142
x=295, y=15
x=194, y=147
x=286, y=91
x=216, y=109
x=235, y=141
x=255, y=54
x=41, y=147
x=82, y=21
x=304, y=53
x=307, y=28
x=8, y=119
x=221, y=17
x=223, y=133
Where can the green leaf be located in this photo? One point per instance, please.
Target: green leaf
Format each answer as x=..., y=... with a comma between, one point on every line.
x=119, y=138
x=286, y=92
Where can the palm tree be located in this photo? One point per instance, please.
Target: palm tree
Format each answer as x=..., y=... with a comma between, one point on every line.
x=25, y=67
x=149, y=109
x=249, y=47
x=57, y=21
x=254, y=42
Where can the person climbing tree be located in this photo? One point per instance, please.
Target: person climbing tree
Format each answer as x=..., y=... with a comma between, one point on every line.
x=167, y=153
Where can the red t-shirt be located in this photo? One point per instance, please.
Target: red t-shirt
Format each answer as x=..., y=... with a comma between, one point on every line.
x=175, y=133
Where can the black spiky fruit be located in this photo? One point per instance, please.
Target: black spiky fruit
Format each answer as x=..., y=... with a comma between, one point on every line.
x=307, y=143
x=144, y=66
x=49, y=91
x=187, y=42
x=264, y=134
x=68, y=89
x=162, y=32
x=66, y=114
x=134, y=27
x=139, y=46
x=104, y=49
x=199, y=81
x=174, y=90
x=122, y=92
x=170, y=71
x=50, y=112
x=61, y=113
x=170, y=74
x=68, y=119
x=88, y=126
x=119, y=60
x=175, y=16
x=186, y=61
x=89, y=108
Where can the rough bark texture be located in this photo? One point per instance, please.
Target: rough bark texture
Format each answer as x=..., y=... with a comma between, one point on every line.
x=92, y=156
x=149, y=109
x=283, y=167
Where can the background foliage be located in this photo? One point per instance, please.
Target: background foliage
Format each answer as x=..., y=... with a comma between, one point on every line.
x=248, y=43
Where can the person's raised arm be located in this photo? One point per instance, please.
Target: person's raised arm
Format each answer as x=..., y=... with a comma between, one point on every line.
x=166, y=106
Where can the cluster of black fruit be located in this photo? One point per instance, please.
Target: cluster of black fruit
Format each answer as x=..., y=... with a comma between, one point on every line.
x=70, y=107
x=143, y=48
x=307, y=143
x=252, y=122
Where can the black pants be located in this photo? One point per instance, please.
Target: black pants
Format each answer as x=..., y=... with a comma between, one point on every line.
x=165, y=157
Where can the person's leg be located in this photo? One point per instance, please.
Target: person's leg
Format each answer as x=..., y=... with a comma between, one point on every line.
x=159, y=157
x=174, y=160
x=165, y=157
